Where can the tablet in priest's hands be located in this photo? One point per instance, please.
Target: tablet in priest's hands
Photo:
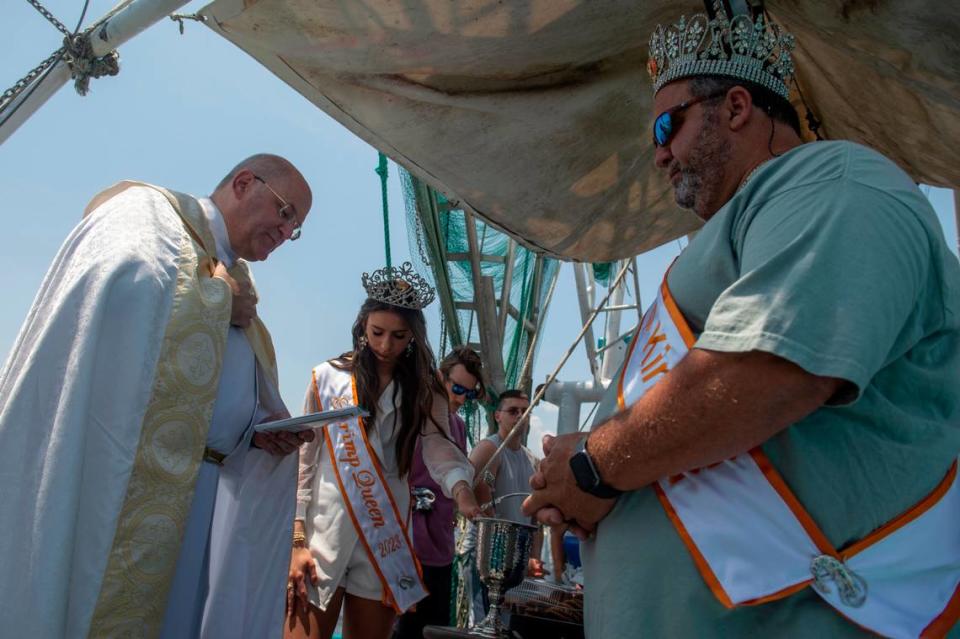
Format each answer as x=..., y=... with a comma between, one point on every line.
x=313, y=420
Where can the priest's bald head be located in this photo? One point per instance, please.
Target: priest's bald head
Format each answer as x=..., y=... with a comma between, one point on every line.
x=264, y=201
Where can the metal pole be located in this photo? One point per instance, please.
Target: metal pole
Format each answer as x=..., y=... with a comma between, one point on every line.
x=485, y=300
x=636, y=289
x=568, y=418
x=490, y=339
x=550, y=379
x=584, y=297
x=611, y=360
x=526, y=374
x=28, y=102
x=570, y=396
x=507, y=286
x=105, y=37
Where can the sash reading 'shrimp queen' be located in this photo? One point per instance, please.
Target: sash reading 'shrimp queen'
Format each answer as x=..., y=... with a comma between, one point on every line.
x=741, y=47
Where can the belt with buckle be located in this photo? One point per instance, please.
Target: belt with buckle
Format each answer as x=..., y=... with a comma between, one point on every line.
x=213, y=456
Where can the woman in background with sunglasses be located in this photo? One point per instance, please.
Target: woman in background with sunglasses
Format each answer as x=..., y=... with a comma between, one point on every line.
x=350, y=534
x=461, y=373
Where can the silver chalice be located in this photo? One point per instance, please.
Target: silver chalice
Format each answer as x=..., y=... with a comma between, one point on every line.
x=503, y=548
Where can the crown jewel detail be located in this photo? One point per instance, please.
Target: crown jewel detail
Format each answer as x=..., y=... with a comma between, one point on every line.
x=398, y=286
x=748, y=49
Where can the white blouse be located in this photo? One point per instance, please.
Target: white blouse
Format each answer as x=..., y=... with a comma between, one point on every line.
x=330, y=532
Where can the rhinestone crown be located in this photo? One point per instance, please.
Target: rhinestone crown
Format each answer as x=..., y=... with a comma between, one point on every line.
x=755, y=50
x=398, y=286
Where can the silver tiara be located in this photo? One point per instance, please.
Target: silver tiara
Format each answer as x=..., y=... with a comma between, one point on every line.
x=398, y=286
x=753, y=50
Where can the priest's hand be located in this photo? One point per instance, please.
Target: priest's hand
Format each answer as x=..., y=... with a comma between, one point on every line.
x=466, y=500
x=556, y=498
x=281, y=443
x=244, y=306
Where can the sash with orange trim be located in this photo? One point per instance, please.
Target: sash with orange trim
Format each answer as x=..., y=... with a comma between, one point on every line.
x=367, y=496
x=753, y=541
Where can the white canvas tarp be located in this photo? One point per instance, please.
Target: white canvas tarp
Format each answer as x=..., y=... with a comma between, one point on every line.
x=536, y=114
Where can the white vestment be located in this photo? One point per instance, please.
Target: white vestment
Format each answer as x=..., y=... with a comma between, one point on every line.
x=73, y=398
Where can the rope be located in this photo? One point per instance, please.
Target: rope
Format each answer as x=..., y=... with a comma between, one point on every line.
x=35, y=77
x=84, y=65
x=180, y=17
x=381, y=170
x=592, y=411
x=553, y=376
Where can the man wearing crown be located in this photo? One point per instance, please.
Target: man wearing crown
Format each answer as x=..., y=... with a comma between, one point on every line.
x=781, y=456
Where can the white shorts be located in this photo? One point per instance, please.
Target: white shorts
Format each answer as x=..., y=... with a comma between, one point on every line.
x=360, y=580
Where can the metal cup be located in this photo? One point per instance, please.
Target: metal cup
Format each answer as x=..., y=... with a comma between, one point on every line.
x=503, y=548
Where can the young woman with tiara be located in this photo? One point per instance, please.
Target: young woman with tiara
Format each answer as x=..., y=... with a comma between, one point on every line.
x=351, y=545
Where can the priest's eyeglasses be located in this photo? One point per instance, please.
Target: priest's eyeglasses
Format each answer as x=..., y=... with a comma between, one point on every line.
x=287, y=214
x=669, y=122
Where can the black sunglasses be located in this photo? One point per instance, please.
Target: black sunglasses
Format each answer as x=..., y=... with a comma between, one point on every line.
x=463, y=390
x=668, y=123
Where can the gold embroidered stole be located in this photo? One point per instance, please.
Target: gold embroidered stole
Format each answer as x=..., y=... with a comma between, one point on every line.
x=160, y=489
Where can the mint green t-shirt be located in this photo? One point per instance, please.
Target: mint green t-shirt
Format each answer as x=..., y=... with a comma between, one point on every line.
x=829, y=257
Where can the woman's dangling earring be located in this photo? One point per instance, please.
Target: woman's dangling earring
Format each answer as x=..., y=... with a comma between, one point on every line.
x=362, y=343
x=410, y=348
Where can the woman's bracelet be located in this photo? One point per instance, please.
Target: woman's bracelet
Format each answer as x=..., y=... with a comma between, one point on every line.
x=299, y=539
x=463, y=486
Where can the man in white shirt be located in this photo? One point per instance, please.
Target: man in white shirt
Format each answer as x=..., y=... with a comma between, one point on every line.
x=130, y=470
x=510, y=472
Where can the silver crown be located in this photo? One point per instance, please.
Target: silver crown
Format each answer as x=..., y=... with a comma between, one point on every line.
x=398, y=286
x=753, y=50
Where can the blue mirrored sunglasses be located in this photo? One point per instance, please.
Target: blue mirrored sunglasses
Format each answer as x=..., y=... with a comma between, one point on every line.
x=463, y=390
x=668, y=122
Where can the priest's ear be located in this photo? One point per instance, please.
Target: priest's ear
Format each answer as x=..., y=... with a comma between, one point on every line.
x=241, y=183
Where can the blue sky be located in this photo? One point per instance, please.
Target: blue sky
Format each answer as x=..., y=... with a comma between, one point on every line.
x=183, y=110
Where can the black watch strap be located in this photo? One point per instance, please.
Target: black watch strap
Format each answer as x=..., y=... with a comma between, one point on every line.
x=586, y=475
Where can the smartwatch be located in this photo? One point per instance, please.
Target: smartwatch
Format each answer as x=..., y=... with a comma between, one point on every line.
x=586, y=475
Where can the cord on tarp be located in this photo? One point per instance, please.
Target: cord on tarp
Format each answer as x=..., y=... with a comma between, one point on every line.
x=381, y=170
x=180, y=17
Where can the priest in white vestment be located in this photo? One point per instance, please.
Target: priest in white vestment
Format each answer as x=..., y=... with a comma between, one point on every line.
x=135, y=498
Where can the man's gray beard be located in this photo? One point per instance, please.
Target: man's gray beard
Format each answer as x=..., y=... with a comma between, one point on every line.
x=687, y=188
x=705, y=171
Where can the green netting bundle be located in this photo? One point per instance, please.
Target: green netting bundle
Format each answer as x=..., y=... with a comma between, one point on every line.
x=437, y=229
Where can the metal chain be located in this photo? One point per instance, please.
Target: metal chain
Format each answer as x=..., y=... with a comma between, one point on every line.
x=28, y=79
x=49, y=16
x=420, y=232
x=21, y=85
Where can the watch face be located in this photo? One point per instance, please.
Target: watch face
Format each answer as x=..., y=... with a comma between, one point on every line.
x=583, y=471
